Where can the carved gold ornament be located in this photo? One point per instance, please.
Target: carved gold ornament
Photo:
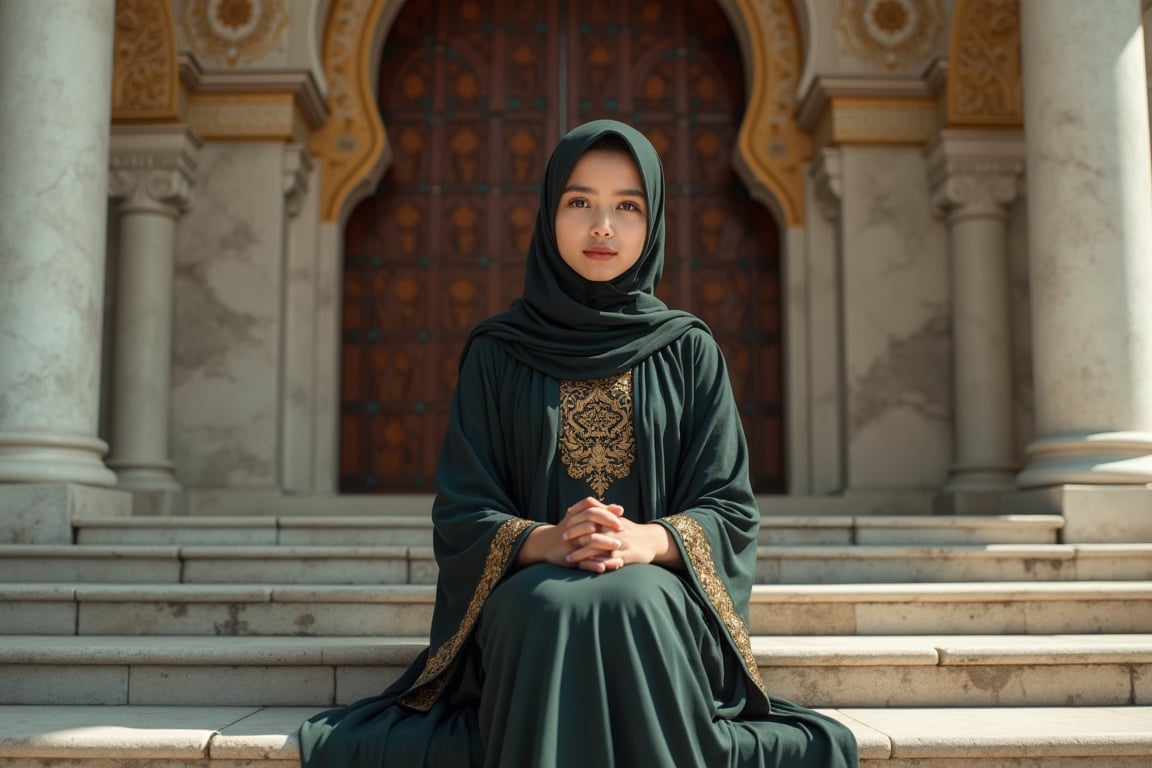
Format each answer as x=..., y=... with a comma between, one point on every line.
x=984, y=71
x=233, y=32
x=145, y=76
x=891, y=34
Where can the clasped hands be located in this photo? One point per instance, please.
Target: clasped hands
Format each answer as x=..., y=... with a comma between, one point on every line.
x=596, y=537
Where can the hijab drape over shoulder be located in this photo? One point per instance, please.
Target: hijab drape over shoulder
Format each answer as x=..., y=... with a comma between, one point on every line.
x=572, y=328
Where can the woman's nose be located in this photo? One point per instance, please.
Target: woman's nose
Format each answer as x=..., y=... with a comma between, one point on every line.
x=602, y=226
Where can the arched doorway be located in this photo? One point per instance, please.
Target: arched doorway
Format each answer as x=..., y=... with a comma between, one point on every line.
x=474, y=95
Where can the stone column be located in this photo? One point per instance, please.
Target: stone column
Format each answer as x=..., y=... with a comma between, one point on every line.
x=151, y=176
x=55, y=88
x=1090, y=236
x=974, y=177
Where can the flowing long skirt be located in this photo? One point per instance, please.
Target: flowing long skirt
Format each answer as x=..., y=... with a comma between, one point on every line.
x=573, y=669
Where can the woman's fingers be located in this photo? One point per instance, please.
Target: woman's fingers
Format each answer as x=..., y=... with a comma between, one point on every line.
x=598, y=516
x=591, y=528
x=573, y=530
x=595, y=545
x=601, y=564
x=583, y=504
x=594, y=506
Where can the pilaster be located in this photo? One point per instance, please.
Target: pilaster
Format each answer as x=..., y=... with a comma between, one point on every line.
x=151, y=176
x=974, y=177
x=825, y=364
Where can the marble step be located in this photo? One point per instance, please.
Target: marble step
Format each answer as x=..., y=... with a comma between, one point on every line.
x=250, y=737
x=837, y=671
x=416, y=530
x=1087, y=607
x=828, y=564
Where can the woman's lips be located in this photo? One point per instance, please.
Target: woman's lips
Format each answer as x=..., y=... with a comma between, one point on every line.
x=599, y=254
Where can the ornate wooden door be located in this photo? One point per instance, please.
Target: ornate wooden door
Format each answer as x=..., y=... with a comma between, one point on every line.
x=474, y=95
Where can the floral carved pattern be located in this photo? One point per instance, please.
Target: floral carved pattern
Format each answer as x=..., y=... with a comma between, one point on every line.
x=233, y=32
x=891, y=34
x=144, y=79
x=985, y=78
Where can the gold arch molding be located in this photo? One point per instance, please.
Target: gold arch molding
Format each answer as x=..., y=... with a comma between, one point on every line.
x=352, y=148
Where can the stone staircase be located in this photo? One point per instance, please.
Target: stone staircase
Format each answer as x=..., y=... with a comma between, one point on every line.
x=941, y=641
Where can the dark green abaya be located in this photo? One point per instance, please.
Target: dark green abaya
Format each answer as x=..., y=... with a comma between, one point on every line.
x=542, y=666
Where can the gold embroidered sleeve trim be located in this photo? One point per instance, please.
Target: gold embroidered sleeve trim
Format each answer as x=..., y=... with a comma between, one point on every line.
x=597, y=440
x=701, y=562
x=431, y=682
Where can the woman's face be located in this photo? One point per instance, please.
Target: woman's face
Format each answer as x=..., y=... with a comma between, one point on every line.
x=602, y=219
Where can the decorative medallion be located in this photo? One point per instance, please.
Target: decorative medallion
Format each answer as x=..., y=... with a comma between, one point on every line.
x=233, y=32
x=892, y=34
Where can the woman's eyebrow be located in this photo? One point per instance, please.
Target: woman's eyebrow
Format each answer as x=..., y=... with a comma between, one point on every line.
x=591, y=191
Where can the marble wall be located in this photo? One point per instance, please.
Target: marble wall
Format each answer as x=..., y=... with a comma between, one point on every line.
x=897, y=346
x=228, y=296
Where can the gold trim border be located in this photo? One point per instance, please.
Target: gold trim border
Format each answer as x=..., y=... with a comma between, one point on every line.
x=703, y=566
x=861, y=121
x=893, y=111
x=432, y=680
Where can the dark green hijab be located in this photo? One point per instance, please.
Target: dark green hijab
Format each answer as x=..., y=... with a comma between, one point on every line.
x=572, y=328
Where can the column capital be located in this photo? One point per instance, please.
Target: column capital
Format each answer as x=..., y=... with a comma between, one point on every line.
x=826, y=175
x=151, y=167
x=298, y=165
x=975, y=173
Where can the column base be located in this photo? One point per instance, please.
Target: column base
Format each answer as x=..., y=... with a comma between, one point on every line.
x=1093, y=514
x=43, y=513
x=1112, y=458
x=144, y=476
x=47, y=458
x=155, y=490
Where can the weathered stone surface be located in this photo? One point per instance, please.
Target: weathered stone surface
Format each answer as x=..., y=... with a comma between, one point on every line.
x=43, y=513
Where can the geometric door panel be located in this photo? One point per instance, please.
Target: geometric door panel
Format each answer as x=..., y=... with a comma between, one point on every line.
x=474, y=95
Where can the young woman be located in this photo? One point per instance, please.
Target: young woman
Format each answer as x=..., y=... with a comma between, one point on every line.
x=594, y=524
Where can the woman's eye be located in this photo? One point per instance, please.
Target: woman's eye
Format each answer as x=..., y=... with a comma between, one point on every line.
x=578, y=202
x=628, y=205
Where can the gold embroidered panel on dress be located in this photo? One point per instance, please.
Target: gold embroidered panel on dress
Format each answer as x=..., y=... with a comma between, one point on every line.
x=597, y=442
x=427, y=687
x=700, y=560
